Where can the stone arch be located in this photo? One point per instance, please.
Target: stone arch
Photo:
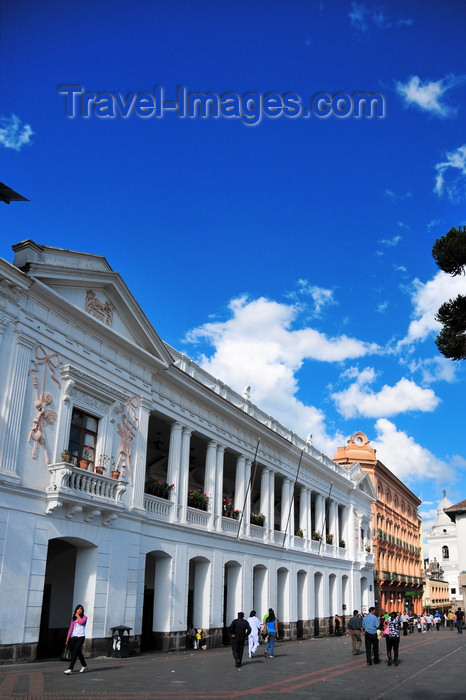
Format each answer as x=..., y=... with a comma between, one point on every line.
x=283, y=597
x=156, y=610
x=199, y=592
x=259, y=589
x=70, y=577
x=232, y=592
x=318, y=603
x=302, y=610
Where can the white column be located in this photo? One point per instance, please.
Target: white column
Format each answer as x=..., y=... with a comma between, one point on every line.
x=286, y=511
x=173, y=467
x=209, y=478
x=184, y=473
x=271, y=528
x=219, y=487
x=344, y=532
x=12, y=408
x=139, y=456
x=265, y=500
x=332, y=525
x=305, y=513
x=247, y=502
x=319, y=520
x=241, y=484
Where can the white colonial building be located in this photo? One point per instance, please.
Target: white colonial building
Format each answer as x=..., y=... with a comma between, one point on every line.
x=84, y=376
x=442, y=544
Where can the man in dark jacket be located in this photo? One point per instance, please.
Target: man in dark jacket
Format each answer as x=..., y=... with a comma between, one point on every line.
x=459, y=620
x=354, y=630
x=239, y=630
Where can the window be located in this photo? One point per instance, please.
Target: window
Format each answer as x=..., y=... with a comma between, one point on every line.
x=83, y=434
x=445, y=552
x=453, y=591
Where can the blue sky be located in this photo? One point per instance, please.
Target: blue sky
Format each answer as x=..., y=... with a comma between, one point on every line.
x=293, y=255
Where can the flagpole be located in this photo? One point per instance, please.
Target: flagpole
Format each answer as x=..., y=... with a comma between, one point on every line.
x=292, y=497
x=325, y=515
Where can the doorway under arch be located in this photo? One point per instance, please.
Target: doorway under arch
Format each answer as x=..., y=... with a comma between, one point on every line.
x=69, y=580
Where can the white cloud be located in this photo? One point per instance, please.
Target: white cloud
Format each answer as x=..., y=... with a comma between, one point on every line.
x=363, y=17
x=391, y=241
x=258, y=347
x=13, y=134
x=434, y=369
x=360, y=400
x=320, y=296
x=426, y=299
x=406, y=459
x=396, y=198
x=455, y=167
x=428, y=95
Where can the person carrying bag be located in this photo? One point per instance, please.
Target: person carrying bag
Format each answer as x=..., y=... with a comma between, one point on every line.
x=75, y=639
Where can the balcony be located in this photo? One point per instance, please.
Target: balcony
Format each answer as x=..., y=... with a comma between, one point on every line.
x=76, y=490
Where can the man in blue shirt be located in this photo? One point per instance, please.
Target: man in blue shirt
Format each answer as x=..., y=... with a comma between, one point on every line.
x=370, y=625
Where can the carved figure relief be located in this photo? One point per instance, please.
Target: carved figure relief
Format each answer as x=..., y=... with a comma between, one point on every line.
x=48, y=363
x=103, y=310
x=127, y=428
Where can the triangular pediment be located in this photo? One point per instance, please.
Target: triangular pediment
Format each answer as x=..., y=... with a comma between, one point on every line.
x=362, y=480
x=94, y=290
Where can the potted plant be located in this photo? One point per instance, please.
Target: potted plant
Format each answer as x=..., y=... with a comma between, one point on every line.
x=155, y=487
x=316, y=535
x=257, y=519
x=368, y=548
x=235, y=514
x=86, y=458
x=299, y=533
x=342, y=543
x=65, y=456
x=227, y=507
x=198, y=499
x=100, y=467
x=329, y=538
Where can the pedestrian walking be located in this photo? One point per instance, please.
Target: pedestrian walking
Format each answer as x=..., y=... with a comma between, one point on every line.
x=354, y=628
x=370, y=625
x=459, y=620
x=253, y=639
x=451, y=620
x=75, y=639
x=404, y=619
x=271, y=624
x=393, y=638
x=239, y=630
x=337, y=625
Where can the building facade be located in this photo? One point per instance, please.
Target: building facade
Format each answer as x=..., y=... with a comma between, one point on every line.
x=457, y=514
x=136, y=484
x=396, y=528
x=442, y=544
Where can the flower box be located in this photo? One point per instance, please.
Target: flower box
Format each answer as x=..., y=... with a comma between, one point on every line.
x=257, y=519
x=198, y=499
x=155, y=487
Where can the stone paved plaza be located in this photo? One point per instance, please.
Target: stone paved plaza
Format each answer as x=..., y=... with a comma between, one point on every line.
x=431, y=666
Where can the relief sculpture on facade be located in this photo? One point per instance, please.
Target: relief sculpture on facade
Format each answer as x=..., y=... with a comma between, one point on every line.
x=103, y=310
x=48, y=362
x=126, y=429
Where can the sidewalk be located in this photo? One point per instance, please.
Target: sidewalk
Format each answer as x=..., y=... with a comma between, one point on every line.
x=431, y=667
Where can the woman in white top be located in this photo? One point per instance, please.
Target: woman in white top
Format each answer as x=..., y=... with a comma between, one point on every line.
x=75, y=638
